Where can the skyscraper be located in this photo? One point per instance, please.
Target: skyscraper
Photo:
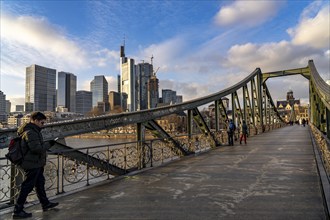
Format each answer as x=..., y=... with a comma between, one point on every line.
x=40, y=91
x=169, y=96
x=2, y=102
x=143, y=72
x=8, y=106
x=127, y=79
x=3, y=114
x=66, y=90
x=83, y=102
x=99, y=89
x=114, y=100
x=153, y=94
x=118, y=84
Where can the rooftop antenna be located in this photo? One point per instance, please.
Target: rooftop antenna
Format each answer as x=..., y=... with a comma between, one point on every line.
x=122, y=49
x=152, y=57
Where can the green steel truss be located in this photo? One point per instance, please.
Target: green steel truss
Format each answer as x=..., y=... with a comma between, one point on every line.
x=255, y=106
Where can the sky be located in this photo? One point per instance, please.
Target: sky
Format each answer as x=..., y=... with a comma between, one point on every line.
x=200, y=46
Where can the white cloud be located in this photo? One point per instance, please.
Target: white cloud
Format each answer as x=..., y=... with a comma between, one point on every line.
x=166, y=54
x=43, y=41
x=313, y=31
x=105, y=57
x=271, y=56
x=249, y=13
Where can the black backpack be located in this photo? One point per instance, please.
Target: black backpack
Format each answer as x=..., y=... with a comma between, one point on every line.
x=15, y=152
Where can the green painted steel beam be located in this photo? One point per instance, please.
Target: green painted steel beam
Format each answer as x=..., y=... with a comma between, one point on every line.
x=305, y=72
x=199, y=120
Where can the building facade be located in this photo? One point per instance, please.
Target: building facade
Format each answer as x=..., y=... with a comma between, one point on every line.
x=168, y=96
x=40, y=88
x=143, y=73
x=99, y=89
x=289, y=109
x=19, y=108
x=3, y=114
x=114, y=100
x=127, y=82
x=84, y=102
x=66, y=90
x=153, y=92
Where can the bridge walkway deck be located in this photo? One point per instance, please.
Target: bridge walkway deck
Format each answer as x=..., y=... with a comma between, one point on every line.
x=274, y=176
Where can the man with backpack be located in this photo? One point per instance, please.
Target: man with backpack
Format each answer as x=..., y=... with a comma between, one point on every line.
x=231, y=130
x=33, y=164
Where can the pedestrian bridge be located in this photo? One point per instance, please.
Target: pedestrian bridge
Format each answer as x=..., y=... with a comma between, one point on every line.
x=274, y=176
x=69, y=169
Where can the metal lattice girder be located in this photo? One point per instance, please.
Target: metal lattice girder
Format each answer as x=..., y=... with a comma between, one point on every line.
x=247, y=106
x=255, y=103
x=238, y=110
x=87, y=159
x=219, y=107
x=273, y=104
x=158, y=131
x=319, y=100
x=303, y=71
x=265, y=106
x=198, y=118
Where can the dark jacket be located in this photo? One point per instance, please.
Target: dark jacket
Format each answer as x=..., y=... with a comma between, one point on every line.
x=244, y=128
x=34, y=146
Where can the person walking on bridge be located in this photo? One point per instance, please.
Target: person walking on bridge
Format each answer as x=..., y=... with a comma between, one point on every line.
x=231, y=130
x=33, y=165
x=244, y=131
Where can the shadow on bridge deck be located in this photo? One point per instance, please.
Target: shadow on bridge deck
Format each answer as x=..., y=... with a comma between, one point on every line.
x=274, y=176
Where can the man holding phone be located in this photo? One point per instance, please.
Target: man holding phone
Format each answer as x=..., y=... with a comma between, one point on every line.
x=33, y=164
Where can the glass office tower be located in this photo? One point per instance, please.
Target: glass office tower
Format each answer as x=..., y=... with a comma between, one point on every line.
x=66, y=91
x=40, y=88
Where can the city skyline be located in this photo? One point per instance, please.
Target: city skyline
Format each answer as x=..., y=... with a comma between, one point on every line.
x=200, y=47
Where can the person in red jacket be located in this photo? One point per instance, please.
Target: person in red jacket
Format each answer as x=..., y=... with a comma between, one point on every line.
x=244, y=131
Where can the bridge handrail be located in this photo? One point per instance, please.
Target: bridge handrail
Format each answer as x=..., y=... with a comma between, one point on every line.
x=321, y=86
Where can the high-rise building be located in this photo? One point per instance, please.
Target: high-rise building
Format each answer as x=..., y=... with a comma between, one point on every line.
x=66, y=91
x=99, y=89
x=143, y=72
x=127, y=82
x=40, y=88
x=2, y=102
x=8, y=106
x=3, y=114
x=19, y=108
x=114, y=100
x=179, y=99
x=118, y=84
x=168, y=96
x=84, y=101
x=153, y=94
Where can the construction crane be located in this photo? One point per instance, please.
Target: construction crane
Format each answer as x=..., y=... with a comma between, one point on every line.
x=156, y=71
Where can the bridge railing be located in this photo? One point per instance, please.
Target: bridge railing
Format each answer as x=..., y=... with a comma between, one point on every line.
x=323, y=146
x=64, y=174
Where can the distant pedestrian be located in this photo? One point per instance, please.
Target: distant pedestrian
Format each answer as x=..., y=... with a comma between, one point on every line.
x=33, y=165
x=231, y=130
x=303, y=121
x=244, y=132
